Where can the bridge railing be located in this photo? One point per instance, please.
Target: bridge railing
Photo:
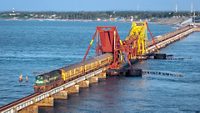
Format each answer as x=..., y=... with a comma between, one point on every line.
x=17, y=106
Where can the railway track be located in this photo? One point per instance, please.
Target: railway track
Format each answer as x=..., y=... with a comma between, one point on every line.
x=18, y=101
x=18, y=105
x=36, y=97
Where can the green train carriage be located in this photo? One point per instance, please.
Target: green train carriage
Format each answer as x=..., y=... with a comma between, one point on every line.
x=48, y=81
x=57, y=77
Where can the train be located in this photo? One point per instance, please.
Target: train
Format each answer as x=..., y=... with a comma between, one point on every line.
x=47, y=81
x=52, y=79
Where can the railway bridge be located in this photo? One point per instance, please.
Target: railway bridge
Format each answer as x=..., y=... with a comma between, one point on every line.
x=111, y=54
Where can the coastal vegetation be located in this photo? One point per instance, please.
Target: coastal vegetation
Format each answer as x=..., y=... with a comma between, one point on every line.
x=99, y=15
x=92, y=15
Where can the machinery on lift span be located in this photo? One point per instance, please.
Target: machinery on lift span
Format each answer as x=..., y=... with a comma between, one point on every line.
x=107, y=40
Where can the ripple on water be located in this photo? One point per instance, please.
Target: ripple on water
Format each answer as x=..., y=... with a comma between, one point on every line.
x=43, y=46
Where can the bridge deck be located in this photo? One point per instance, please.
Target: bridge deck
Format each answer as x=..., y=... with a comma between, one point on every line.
x=161, y=42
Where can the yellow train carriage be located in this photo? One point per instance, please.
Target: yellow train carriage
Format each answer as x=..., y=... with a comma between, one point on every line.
x=79, y=69
x=56, y=78
x=72, y=71
x=98, y=62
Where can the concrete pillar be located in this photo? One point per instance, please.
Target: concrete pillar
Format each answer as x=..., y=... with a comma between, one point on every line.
x=29, y=109
x=84, y=84
x=61, y=95
x=47, y=102
x=93, y=79
x=102, y=75
x=73, y=89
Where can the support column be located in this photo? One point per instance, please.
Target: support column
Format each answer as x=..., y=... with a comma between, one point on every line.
x=47, y=102
x=84, y=84
x=29, y=109
x=102, y=75
x=73, y=89
x=61, y=95
x=93, y=79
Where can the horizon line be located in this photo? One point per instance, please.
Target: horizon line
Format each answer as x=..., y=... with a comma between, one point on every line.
x=182, y=11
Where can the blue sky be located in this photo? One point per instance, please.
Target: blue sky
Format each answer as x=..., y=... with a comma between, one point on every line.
x=97, y=5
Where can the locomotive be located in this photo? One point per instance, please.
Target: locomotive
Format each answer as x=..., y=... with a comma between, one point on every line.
x=52, y=79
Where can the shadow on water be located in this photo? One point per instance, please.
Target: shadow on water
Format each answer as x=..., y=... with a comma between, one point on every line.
x=34, y=48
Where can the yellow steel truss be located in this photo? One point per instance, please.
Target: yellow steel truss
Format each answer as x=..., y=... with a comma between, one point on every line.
x=138, y=31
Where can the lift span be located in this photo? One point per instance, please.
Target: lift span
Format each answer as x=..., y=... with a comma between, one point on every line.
x=109, y=47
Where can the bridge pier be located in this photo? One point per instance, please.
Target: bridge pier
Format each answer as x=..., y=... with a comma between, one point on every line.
x=73, y=89
x=61, y=95
x=33, y=102
x=93, y=79
x=196, y=29
x=102, y=75
x=46, y=102
x=84, y=84
x=29, y=109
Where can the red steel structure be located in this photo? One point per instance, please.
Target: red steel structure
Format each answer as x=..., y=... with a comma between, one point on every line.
x=108, y=41
x=113, y=44
x=133, y=47
x=130, y=47
x=152, y=37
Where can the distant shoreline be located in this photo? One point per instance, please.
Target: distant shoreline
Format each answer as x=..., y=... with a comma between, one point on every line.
x=168, y=17
x=162, y=21
x=64, y=20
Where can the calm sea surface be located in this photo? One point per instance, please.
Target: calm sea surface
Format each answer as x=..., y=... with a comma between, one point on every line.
x=30, y=47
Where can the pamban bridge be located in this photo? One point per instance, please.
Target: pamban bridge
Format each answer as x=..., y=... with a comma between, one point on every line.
x=114, y=57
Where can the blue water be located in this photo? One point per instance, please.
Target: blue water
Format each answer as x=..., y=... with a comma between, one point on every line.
x=31, y=47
